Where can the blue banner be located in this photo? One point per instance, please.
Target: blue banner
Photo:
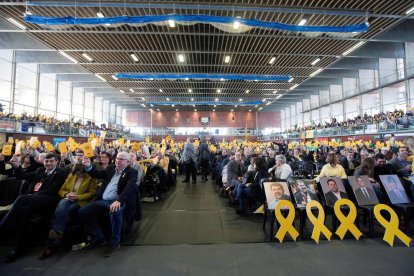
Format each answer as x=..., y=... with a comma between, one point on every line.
x=149, y=76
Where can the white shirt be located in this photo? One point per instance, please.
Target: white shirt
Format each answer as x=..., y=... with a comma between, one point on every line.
x=338, y=195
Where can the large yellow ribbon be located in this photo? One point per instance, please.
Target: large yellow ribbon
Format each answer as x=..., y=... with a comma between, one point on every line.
x=318, y=222
x=285, y=223
x=347, y=222
x=391, y=227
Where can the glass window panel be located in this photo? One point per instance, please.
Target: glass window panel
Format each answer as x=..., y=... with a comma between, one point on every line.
x=77, y=109
x=64, y=103
x=47, y=93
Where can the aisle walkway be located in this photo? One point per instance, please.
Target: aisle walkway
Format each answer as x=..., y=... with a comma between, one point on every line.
x=194, y=214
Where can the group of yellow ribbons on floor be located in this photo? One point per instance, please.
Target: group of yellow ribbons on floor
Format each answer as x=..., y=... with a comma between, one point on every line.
x=347, y=222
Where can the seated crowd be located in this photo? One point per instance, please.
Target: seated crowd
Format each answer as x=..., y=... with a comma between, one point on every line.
x=73, y=189
x=390, y=118
x=61, y=124
x=102, y=194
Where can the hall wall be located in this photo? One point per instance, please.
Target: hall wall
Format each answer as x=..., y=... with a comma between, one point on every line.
x=238, y=119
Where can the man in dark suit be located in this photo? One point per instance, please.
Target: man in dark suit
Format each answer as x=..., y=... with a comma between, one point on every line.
x=334, y=194
x=118, y=184
x=43, y=188
x=365, y=195
x=395, y=194
x=304, y=195
x=204, y=158
x=349, y=163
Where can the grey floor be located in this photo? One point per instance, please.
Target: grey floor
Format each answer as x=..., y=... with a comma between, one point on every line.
x=192, y=231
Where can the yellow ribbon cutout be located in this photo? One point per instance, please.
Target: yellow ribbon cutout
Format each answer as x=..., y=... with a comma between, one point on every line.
x=285, y=223
x=347, y=222
x=391, y=227
x=318, y=222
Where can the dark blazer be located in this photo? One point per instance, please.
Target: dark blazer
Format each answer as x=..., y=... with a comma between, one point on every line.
x=331, y=198
x=126, y=184
x=51, y=184
x=362, y=200
x=203, y=151
x=344, y=162
x=299, y=197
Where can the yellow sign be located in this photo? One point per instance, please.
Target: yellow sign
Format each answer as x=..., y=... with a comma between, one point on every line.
x=309, y=134
x=62, y=147
x=391, y=226
x=347, y=222
x=48, y=146
x=91, y=136
x=7, y=150
x=34, y=142
x=147, y=139
x=285, y=223
x=318, y=222
x=87, y=150
x=121, y=141
x=135, y=146
x=19, y=146
x=73, y=146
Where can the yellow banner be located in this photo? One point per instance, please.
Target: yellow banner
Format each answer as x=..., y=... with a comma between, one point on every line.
x=87, y=150
x=62, y=147
x=7, y=150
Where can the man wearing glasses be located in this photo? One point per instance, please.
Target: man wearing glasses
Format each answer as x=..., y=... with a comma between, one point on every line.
x=118, y=184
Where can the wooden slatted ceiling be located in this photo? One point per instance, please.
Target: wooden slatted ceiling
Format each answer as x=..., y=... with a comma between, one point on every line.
x=206, y=46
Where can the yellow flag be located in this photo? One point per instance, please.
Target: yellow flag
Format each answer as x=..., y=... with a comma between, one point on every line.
x=7, y=150
x=18, y=149
x=49, y=146
x=87, y=150
x=121, y=141
x=91, y=136
x=147, y=139
x=62, y=147
x=136, y=146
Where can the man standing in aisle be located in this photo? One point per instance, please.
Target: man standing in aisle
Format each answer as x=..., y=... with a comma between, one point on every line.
x=118, y=185
x=189, y=159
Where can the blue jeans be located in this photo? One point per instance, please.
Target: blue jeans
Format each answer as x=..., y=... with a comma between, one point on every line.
x=242, y=193
x=90, y=213
x=64, y=209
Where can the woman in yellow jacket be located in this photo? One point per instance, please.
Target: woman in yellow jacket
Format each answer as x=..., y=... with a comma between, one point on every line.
x=78, y=189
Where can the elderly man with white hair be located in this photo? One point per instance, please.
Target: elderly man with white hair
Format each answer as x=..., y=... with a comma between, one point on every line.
x=118, y=184
x=282, y=170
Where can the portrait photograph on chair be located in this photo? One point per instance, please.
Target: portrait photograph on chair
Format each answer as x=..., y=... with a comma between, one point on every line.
x=394, y=189
x=275, y=192
x=303, y=191
x=333, y=189
x=363, y=190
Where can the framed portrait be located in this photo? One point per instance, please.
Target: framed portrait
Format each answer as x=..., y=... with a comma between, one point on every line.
x=333, y=189
x=394, y=189
x=302, y=191
x=362, y=187
x=276, y=191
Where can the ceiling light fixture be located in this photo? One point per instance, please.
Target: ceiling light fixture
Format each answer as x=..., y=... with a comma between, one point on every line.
x=187, y=79
x=85, y=55
x=221, y=79
x=161, y=90
x=143, y=98
x=264, y=100
x=134, y=57
x=122, y=91
x=215, y=105
x=181, y=58
x=291, y=79
x=114, y=77
x=236, y=25
x=100, y=77
x=171, y=23
x=168, y=99
x=279, y=96
x=272, y=60
x=173, y=105
x=247, y=91
x=16, y=23
x=250, y=110
x=216, y=99
x=190, y=90
x=409, y=11
x=274, y=92
x=315, y=61
x=353, y=48
x=260, y=108
x=293, y=87
x=68, y=56
x=231, y=110
x=158, y=110
x=195, y=110
x=100, y=15
x=214, y=110
x=316, y=72
x=176, y=110
x=227, y=59
x=268, y=103
x=302, y=22
x=218, y=90
x=192, y=99
x=240, y=100
x=143, y=105
x=132, y=90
